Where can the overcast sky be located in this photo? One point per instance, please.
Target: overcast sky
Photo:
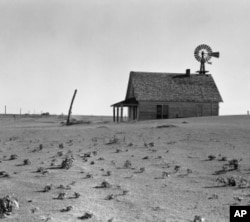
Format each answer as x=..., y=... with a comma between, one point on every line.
x=49, y=48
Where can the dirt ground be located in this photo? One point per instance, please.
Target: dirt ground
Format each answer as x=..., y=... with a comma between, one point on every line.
x=149, y=171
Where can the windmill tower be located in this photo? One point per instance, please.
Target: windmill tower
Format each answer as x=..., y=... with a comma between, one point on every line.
x=203, y=53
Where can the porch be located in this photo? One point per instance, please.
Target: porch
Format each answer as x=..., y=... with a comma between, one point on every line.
x=132, y=110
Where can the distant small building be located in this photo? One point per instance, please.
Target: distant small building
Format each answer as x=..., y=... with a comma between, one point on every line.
x=168, y=95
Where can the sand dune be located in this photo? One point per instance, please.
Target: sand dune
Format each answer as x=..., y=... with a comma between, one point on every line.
x=155, y=171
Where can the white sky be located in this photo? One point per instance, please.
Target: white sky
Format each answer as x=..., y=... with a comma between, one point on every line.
x=49, y=48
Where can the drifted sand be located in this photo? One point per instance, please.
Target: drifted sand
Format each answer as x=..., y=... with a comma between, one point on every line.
x=179, y=147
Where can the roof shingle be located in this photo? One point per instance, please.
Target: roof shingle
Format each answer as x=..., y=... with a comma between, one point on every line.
x=172, y=87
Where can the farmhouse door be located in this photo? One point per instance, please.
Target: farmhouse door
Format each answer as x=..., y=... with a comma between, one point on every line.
x=165, y=112
x=162, y=112
x=159, y=112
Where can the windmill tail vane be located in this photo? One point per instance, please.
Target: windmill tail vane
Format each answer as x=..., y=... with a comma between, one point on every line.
x=203, y=53
x=214, y=54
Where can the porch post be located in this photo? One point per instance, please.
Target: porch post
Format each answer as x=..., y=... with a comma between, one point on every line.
x=114, y=113
x=121, y=113
x=117, y=114
x=137, y=112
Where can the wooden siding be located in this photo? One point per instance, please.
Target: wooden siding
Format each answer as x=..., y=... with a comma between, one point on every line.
x=147, y=109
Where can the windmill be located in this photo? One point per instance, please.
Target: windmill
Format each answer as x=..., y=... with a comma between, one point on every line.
x=203, y=53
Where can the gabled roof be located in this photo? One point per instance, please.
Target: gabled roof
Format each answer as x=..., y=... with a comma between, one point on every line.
x=172, y=87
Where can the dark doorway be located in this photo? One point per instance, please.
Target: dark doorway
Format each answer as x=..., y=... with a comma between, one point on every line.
x=158, y=111
x=161, y=111
x=165, y=112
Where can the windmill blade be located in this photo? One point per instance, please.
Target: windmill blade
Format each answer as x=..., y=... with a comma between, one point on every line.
x=214, y=54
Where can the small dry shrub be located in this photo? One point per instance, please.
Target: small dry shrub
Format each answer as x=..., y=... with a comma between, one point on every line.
x=223, y=158
x=177, y=168
x=41, y=170
x=67, y=187
x=165, y=174
x=113, y=141
x=7, y=205
x=4, y=174
x=61, y=196
x=67, y=209
x=47, y=188
x=151, y=144
x=104, y=184
x=87, y=155
x=198, y=219
x=86, y=216
x=77, y=195
x=40, y=146
x=110, y=197
x=233, y=181
x=13, y=156
x=88, y=175
x=60, y=153
x=67, y=163
x=108, y=173
x=127, y=164
x=141, y=170
x=211, y=157
x=26, y=162
x=234, y=164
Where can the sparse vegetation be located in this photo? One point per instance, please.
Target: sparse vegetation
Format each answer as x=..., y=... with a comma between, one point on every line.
x=124, y=175
x=112, y=141
x=42, y=170
x=233, y=181
x=127, y=165
x=8, y=203
x=26, y=162
x=4, y=174
x=47, y=188
x=86, y=216
x=61, y=196
x=67, y=209
x=13, y=157
x=67, y=163
x=211, y=157
x=104, y=184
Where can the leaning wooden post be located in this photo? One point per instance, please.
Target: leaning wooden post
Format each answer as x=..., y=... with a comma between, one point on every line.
x=68, y=122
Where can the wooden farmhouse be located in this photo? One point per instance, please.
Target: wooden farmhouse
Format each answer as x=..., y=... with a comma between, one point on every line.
x=168, y=95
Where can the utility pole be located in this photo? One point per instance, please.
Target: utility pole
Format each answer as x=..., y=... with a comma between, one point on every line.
x=70, y=108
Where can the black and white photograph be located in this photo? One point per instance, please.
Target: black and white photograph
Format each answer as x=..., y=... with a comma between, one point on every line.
x=124, y=110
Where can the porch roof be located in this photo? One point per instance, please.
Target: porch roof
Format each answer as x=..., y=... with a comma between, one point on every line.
x=127, y=102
